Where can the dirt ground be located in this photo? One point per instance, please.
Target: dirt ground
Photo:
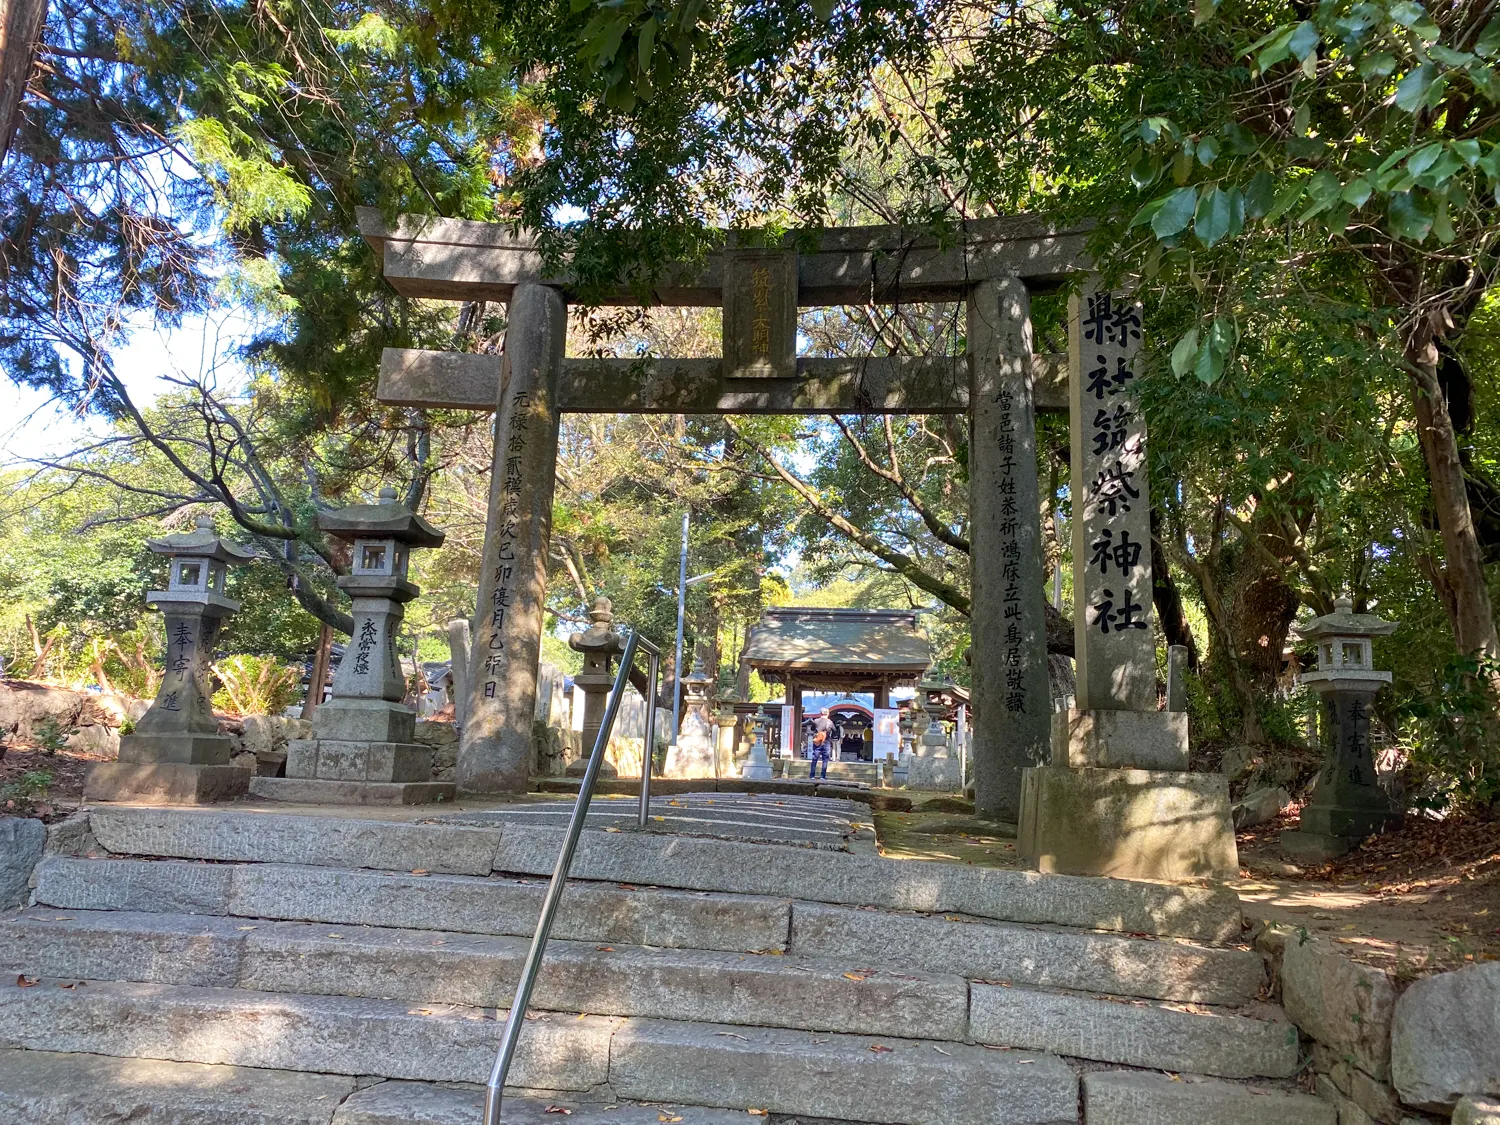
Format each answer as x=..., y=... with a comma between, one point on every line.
x=1418, y=900
x=67, y=767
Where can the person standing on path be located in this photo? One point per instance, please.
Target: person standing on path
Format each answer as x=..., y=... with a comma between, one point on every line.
x=822, y=744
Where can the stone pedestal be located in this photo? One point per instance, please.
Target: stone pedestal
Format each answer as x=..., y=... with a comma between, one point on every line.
x=1127, y=823
x=1151, y=740
x=691, y=755
x=363, y=749
x=176, y=754
x=933, y=767
x=1117, y=799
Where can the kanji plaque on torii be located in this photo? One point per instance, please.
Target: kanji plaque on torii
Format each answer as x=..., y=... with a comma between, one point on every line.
x=760, y=314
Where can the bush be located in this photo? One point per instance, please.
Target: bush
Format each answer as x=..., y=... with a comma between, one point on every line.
x=256, y=685
x=23, y=795
x=1452, y=731
x=52, y=735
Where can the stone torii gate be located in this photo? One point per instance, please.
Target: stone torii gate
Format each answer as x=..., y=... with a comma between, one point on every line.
x=999, y=383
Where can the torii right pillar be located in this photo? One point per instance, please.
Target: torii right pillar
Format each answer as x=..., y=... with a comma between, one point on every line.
x=1117, y=798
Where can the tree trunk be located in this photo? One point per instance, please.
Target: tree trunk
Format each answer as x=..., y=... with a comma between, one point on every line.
x=319, y=674
x=21, y=23
x=1470, y=608
x=1166, y=598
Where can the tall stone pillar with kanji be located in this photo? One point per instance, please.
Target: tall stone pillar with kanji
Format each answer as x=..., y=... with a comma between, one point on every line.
x=1116, y=797
x=495, y=750
x=1011, y=696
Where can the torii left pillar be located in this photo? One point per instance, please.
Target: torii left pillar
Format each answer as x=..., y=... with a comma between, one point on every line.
x=494, y=754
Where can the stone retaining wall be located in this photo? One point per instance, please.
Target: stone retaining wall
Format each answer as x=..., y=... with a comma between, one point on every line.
x=1389, y=1051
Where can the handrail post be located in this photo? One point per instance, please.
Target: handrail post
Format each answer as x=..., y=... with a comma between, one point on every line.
x=648, y=752
x=495, y=1088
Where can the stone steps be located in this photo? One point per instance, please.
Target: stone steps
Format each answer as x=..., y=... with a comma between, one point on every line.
x=791, y=992
x=1202, y=913
x=609, y=913
x=1134, y=1098
x=46, y=1088
x=849, y=1077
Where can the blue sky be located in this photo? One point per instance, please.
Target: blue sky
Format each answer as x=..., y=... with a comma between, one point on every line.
x=32, y=427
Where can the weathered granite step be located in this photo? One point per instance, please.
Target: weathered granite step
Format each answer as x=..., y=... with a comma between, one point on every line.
x=1135, y=1098
x=1200, y=1041
x=1033, y=955
x=464, y=904
x=417, y=1103
x=330, y=1034
x=44, y=1088
x=693, y=863
x=432, y=967
x=849, y=1077
x=840, y=1076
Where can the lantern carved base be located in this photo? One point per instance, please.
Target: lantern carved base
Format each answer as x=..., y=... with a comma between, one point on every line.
x=326, y=791
x=165, y=782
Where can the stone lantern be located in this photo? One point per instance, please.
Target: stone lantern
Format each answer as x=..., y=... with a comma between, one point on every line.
x=1347, y=804
x=725, y=720
x=691, y=754
x=600, y=645
x=363, y=748
x=758, y=765
x=176, y=752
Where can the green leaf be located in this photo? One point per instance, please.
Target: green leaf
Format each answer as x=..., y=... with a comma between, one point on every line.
x=1304, y=39
x=823, y=9
x=1356, y=192
x=644, y=48
x=1175, y=212
x=1448, y=56
x=1209, y=364
x=1203, y=11
x=1424, y=158
x=1406, y=13
x=1182, y=165
x=1408, y=218
x=1427, y=31
x=1147, y=213
x=1488, y=43
x=1241, y=140
x=1185, y=353
x=1302, y=120
x=1276, y=49
x=1484, y=81
x=1260, y=194
x=1412, y=90
x=1377, y=65
x=1144, y=172
x=1213, y=216
x=1208, y=151
x=1286, y=199
x=1489, y=163
x=1442, y=222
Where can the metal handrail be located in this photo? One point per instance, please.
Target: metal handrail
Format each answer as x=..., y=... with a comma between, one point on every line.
x=495, y=1088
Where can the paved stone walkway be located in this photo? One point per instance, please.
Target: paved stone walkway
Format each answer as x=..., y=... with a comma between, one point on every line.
x=817, y=822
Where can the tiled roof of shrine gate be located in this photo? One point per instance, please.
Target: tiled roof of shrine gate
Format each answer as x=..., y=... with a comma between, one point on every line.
x=803, y=637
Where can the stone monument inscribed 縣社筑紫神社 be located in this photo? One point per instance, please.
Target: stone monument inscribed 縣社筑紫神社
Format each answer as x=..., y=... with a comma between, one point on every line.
x=176, y=753
x=1117, y=797
x=363, y=748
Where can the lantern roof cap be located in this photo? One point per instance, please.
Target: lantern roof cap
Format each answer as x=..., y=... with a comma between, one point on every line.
x=387, y=519
x=202, y=542
x=1344, y=622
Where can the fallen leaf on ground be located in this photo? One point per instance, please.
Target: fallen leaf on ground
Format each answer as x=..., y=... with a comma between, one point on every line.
x=25, y=982
x=879, y=1049
x=733, y=1035
x=856, y=976
x=664, y=1117
x=419, y=871
x=756, y=1112
x=605, y=948
x=558, y=1109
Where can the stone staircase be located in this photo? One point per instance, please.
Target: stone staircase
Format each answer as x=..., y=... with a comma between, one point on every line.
x=196, y=966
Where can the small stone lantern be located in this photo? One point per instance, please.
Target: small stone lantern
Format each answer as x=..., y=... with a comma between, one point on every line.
x=725, y=720
x=1347, y=804
x=363, y=748
x=176, y=752
x=758, y=765
x=600, y=645
x=691, y=755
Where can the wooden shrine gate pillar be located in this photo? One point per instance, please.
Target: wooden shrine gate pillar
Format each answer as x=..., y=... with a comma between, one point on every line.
x=1010, y=695
x=494, y=754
